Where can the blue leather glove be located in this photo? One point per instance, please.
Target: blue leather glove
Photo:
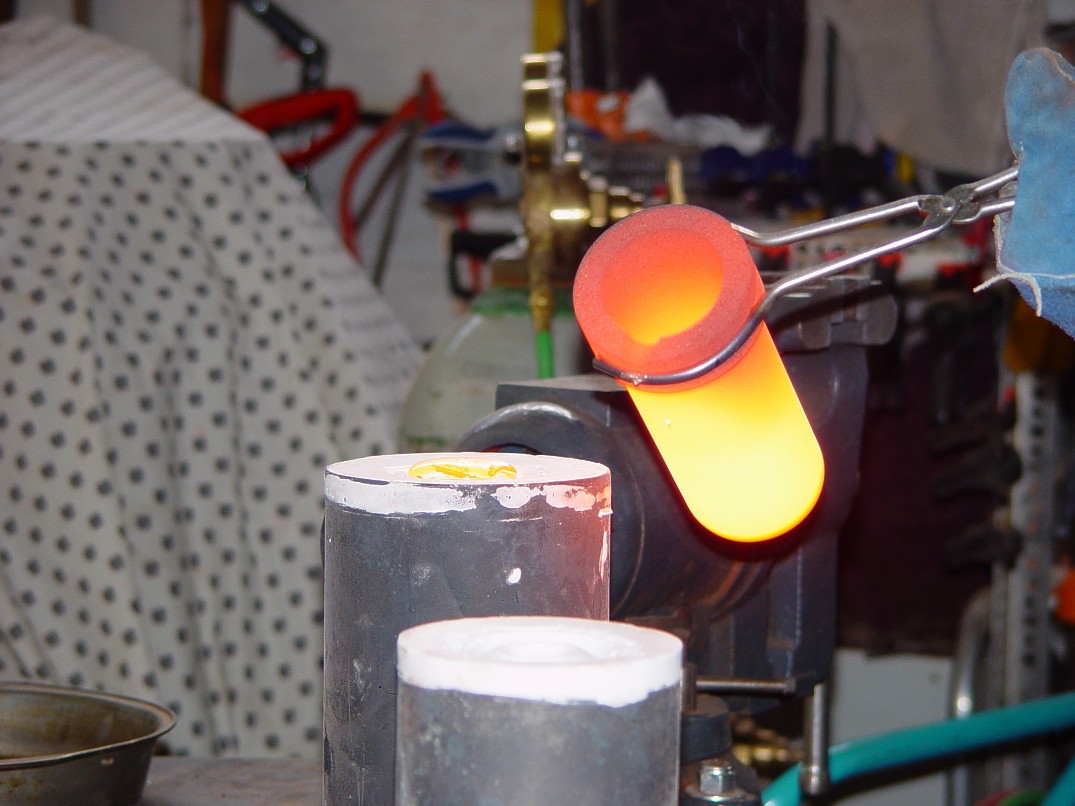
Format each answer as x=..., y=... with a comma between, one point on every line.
x=1036, y=239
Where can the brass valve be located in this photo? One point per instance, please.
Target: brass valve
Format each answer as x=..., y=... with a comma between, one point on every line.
x=563, y=207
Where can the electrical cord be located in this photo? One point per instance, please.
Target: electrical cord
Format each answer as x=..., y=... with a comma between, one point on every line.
x=423, y=108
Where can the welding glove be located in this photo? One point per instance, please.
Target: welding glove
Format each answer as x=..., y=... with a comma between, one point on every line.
x=1036, y=239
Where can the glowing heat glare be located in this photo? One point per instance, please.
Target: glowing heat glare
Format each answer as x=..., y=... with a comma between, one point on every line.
x=654, y=296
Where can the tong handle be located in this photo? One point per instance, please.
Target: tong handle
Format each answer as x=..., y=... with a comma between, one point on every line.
x=960, y=205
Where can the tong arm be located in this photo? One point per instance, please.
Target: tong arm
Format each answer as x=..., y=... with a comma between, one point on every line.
x=960, y=205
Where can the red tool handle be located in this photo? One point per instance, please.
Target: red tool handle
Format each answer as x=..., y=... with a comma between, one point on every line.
x=341, y=105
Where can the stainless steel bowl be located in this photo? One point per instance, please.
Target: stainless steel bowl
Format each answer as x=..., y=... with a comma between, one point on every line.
x=68, y=747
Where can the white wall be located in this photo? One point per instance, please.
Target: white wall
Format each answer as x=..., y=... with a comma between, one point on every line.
x=377, y=48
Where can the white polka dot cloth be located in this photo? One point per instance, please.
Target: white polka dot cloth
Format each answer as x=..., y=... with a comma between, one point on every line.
x=184, y=346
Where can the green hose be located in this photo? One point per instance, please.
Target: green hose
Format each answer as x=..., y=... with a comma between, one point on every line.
x=546, y=367
x=939, y=740
x=1023, y=798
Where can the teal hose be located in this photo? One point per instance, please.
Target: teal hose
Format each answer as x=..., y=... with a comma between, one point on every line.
x=939, y=740
x=546, y=367
x=1063, y=791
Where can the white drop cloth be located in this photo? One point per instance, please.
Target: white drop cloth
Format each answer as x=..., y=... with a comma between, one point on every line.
x=925, y=77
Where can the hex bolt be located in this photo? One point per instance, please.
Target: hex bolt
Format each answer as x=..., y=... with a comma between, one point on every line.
x=718, y=783
x=716, y=778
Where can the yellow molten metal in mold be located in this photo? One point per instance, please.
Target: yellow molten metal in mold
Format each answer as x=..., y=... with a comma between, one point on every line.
x=461, y=467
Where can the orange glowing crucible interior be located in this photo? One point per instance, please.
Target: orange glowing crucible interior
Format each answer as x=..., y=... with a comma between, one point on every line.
x=663, y=290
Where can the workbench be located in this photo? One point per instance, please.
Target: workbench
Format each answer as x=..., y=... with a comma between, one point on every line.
x=185, y=781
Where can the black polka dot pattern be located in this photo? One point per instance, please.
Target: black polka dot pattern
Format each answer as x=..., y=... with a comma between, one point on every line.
x=184, y=346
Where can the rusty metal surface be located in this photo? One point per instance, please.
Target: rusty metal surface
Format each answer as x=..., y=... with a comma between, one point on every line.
x=68, y=747
x=177, y=781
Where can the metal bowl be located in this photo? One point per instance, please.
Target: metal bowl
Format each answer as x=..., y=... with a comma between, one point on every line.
x=68, y=747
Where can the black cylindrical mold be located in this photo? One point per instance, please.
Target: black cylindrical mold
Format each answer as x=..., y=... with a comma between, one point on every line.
x=402, y=550
x=538, y=712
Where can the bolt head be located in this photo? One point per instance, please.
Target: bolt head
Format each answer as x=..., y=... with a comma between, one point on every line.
x=716, y=778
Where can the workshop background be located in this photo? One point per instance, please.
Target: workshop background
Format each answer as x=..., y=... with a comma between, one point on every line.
x=943, y=104
x=904, y=96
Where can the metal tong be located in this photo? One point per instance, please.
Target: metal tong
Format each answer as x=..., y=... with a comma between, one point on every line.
x=960, y=205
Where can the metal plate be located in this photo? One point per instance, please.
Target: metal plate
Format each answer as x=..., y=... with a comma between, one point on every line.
x=67, y=747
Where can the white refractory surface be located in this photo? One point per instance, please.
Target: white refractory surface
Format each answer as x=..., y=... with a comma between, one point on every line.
x=540, y=658
x=381, y=484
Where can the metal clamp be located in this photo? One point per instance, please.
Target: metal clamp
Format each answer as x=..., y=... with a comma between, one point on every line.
x=961, y=205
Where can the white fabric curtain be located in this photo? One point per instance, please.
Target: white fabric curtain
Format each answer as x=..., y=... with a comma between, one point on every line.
x=184, y=346
x=925, y=77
